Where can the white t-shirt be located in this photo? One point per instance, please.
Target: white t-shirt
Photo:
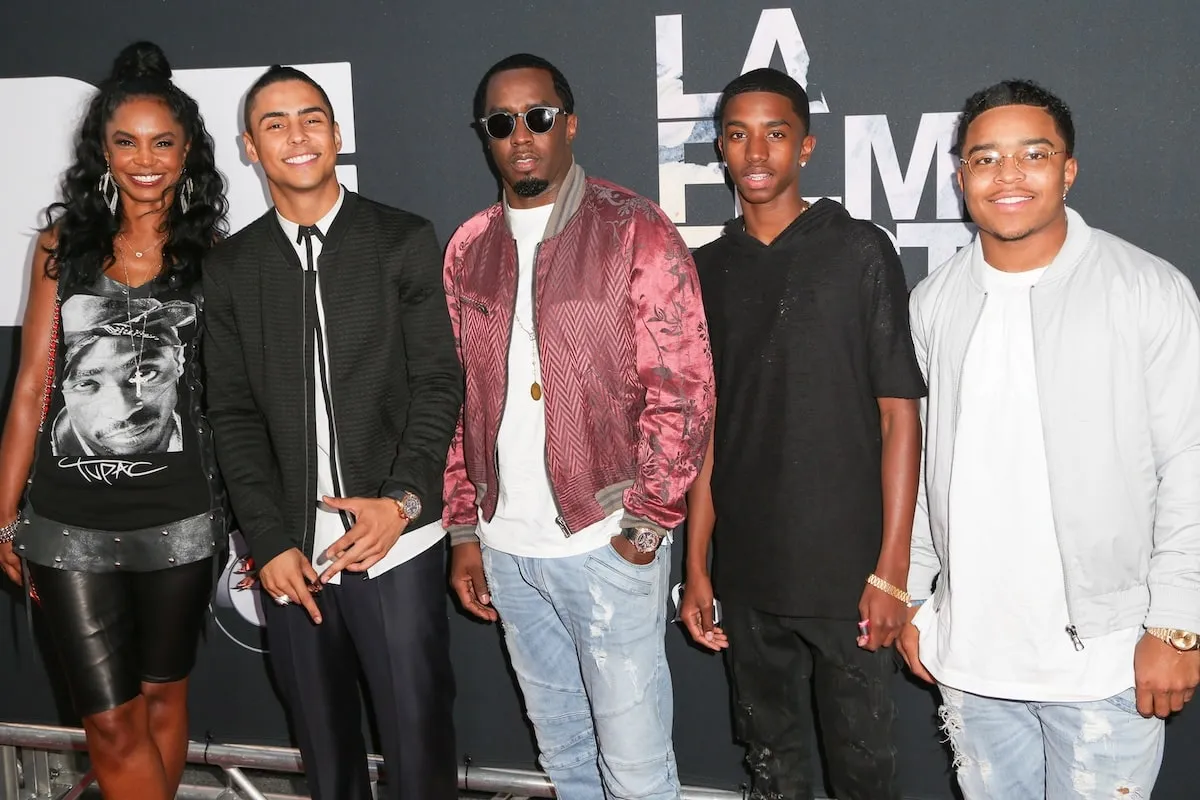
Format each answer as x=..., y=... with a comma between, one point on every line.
x=525, y=522
x=329, y=524
x=1002, y=628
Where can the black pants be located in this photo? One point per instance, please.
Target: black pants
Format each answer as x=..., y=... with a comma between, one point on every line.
x=779, y=665
x=396, y=630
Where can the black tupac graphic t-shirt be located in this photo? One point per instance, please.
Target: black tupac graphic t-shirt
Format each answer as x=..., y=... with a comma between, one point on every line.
x=119, y=449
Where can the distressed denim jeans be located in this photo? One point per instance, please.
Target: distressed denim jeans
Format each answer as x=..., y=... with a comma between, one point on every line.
x=585, y=635
x=1006, y=749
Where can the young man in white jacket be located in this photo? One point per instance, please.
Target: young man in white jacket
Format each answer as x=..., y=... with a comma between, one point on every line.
x=1064, y=398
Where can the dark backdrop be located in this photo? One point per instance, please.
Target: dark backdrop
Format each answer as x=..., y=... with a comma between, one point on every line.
x=885, y=80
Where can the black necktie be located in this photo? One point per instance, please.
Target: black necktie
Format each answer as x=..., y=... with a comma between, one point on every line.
x=307, y=232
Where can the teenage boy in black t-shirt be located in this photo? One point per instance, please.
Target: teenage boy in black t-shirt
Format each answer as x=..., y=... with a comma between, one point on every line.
x=811, y=477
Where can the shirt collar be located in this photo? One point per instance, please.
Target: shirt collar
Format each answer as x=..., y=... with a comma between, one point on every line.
x=292, y=229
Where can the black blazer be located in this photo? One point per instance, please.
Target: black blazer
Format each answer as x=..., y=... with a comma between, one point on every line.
x=395, y=377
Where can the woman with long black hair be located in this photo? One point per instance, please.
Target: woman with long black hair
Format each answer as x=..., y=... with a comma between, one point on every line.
x=106, y=445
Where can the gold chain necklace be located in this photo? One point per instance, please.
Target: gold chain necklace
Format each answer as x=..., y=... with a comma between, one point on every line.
x=535, y=388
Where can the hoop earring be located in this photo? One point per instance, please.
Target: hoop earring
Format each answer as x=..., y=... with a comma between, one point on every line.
x=185, y=193
x=109, y=191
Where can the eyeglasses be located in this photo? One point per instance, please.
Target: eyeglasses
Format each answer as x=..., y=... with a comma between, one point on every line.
x=539, y=119
x=989, y=163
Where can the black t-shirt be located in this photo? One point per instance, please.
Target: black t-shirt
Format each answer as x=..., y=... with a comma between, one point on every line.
x=119, y=449
x=806, y=333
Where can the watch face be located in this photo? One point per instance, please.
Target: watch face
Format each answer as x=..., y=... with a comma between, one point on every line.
x=1183, y=640
x=646, y=541
x=411, y=506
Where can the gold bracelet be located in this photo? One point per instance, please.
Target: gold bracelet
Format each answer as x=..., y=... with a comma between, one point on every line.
x=883, y=586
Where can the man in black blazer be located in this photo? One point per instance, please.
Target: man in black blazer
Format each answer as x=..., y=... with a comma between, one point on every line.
x=333, y=392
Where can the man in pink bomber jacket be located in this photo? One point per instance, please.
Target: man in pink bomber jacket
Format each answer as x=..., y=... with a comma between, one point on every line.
x=589, y=401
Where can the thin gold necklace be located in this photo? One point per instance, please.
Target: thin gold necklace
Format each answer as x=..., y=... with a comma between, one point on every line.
x=140, y=253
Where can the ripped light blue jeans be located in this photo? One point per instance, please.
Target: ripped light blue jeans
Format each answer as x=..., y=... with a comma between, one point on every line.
x=1007, y=749
x=585, y=635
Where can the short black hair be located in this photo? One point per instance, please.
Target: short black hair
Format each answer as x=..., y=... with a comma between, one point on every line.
x=524, y=61
x=1016, y=93
x=764, y=79
x=277, y=74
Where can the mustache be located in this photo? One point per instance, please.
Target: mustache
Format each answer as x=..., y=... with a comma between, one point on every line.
x=137, y=419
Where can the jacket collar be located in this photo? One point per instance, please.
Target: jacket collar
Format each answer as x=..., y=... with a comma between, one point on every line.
x=1079, y=236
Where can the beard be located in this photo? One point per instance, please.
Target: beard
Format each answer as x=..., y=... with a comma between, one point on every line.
x=530, y=187
x=1014, y=237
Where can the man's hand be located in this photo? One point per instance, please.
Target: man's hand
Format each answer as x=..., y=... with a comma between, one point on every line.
x=627, y=551
x=378, y=523
x=468, y=581
x=291, y=574
x=909, y=645
x=886, y=614
x=10, y=563
x=696, y=612
x=1164, y=677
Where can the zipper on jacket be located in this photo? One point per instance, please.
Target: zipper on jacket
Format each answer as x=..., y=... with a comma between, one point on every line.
x=1075, y=640
x=954, y=445
x=1062, y=559
x=507, y=349
x=560, y=520
x=478, y=306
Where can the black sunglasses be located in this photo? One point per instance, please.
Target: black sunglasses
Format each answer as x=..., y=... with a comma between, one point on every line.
x=539, y=119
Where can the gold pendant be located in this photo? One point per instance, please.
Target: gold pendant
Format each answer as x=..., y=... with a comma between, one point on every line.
x=535, y=390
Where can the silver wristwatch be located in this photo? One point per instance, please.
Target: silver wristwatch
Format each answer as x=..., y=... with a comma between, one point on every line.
x=644, y=540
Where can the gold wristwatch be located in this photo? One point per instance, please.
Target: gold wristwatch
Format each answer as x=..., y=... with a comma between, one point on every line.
x=1180, y=640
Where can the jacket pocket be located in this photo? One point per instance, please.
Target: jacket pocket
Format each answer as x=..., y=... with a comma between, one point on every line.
x=471, y=302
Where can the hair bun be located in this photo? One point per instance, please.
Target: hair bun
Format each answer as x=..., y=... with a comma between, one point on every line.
x=141, y=60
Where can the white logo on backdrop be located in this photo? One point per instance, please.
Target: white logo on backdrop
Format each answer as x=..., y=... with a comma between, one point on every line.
x=687, y=119
x=34, y=155
x=237, y=605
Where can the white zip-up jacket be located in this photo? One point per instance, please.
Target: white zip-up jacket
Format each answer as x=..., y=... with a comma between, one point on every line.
x=1116, y=335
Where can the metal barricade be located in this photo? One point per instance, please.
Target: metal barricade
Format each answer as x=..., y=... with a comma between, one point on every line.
x=33, y=766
